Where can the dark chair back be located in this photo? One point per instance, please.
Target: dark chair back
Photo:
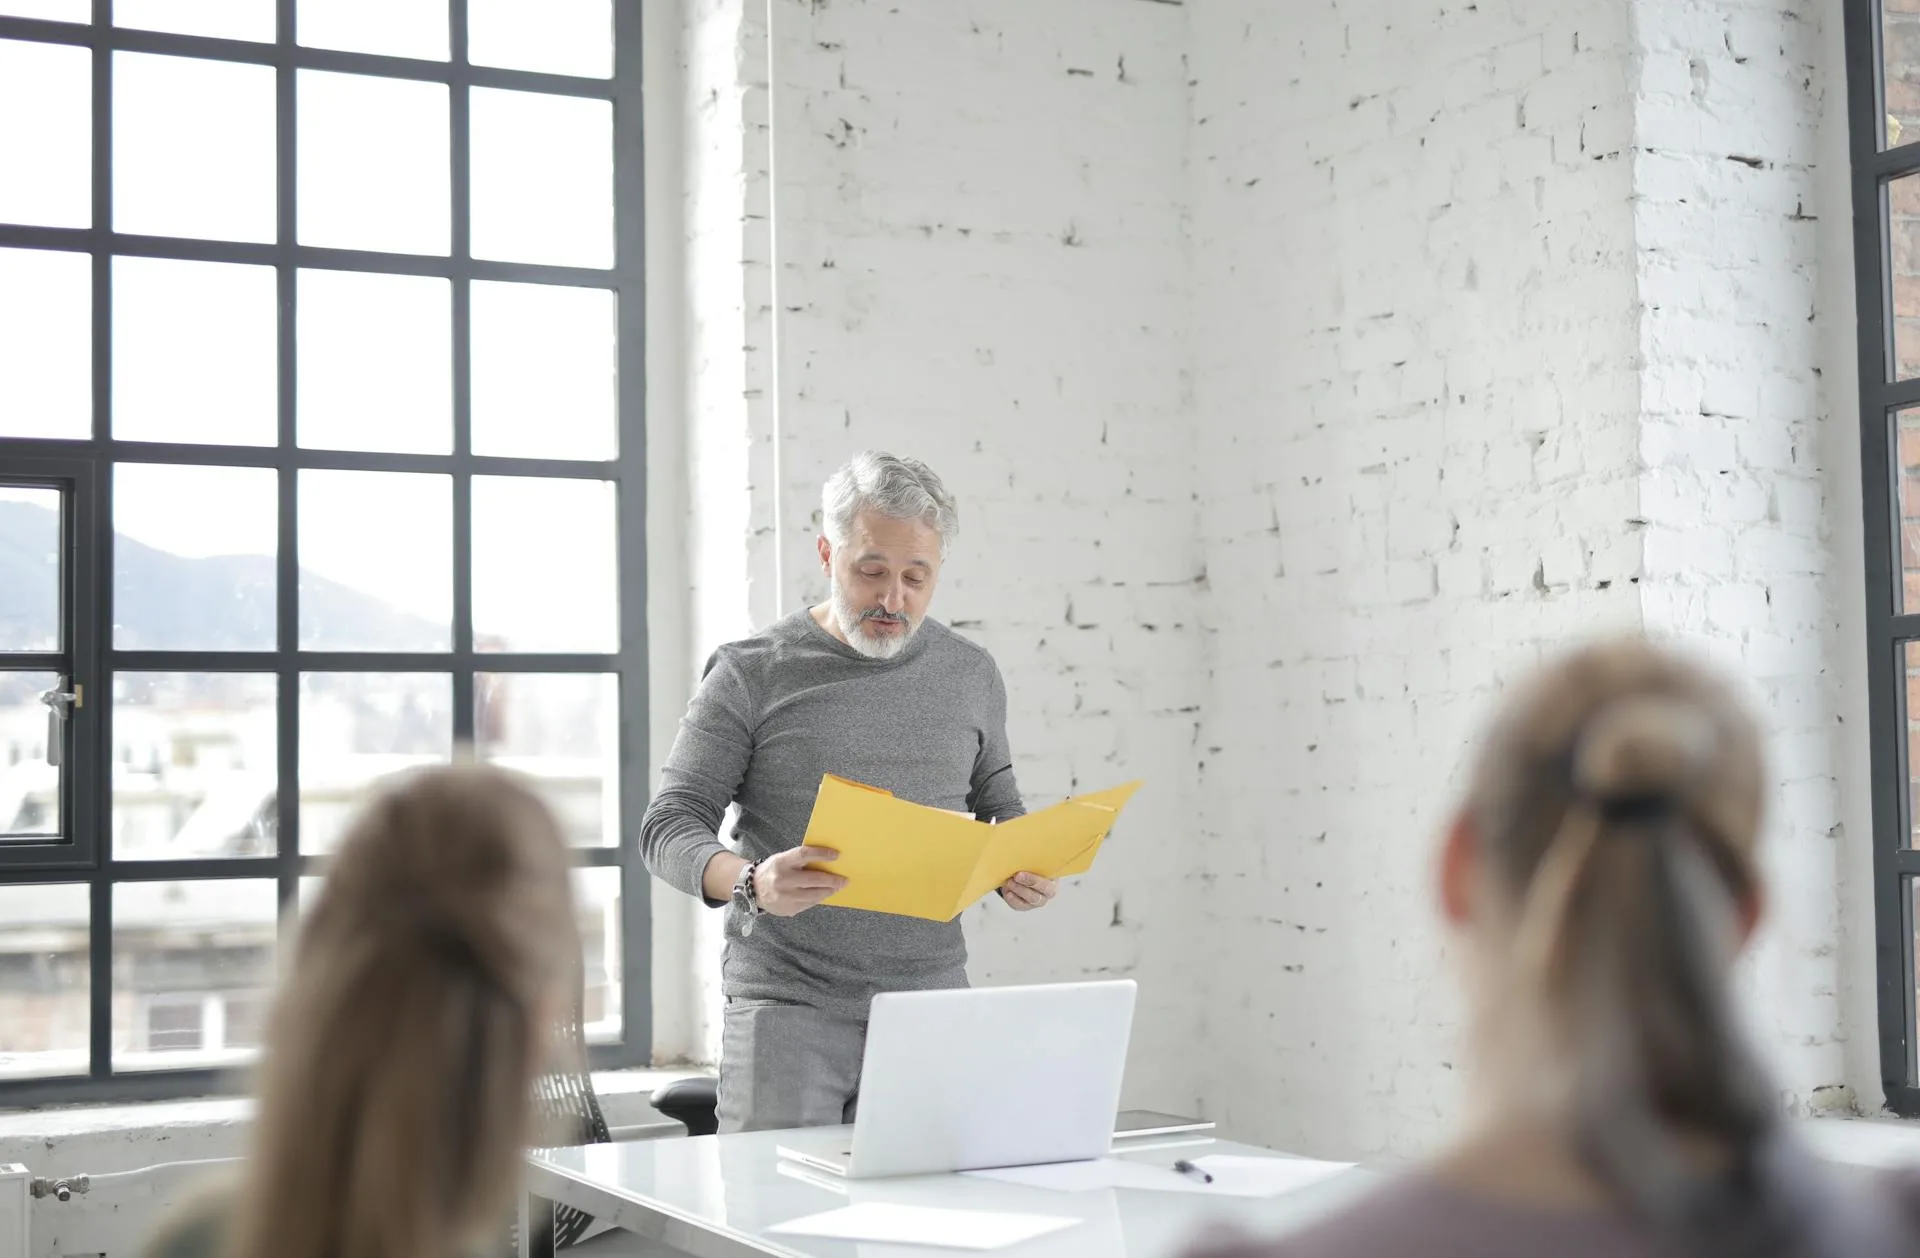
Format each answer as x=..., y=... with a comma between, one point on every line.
x=568, y=1113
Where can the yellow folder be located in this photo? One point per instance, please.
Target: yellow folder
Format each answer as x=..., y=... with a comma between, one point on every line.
x=906, y=858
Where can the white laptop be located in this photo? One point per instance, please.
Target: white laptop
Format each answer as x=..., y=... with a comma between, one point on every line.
x=983, y=1077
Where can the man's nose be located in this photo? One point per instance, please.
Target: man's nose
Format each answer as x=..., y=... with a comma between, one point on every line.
x=894, y=598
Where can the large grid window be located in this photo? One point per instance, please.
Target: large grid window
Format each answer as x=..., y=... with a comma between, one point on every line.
x=320, y=456
x=1883, y=84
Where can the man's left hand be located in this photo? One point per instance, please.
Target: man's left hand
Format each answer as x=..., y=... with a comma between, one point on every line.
x=1028, y=891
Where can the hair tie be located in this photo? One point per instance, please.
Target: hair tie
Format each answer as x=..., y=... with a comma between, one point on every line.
x=1639, y=808
x=1630, y=808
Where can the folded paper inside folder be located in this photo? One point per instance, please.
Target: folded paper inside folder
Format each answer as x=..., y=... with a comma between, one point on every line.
x=910, y=859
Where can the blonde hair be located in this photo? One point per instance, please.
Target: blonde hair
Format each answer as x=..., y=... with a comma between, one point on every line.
x=394, y=1091
x=1618, y=803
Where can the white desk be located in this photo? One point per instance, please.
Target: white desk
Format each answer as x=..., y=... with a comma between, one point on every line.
x=715, y=1197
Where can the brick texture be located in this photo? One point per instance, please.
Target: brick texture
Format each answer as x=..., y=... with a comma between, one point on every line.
x=980, y=259
x=1306, y=368
x=1729, y=102
x=1415, y=340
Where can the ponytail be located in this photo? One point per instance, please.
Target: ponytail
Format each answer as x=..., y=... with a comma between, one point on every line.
x=1624, y=805
x=395, y=1087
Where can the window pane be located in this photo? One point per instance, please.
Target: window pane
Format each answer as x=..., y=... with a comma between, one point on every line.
x=175, y=1022
x=193, y=148
x=50, y=10
x=542, y=178
x=394, y=28
x=563, y=731
x=376, y=362
x=29, y=569
x=373, y=163
x=1903, y=259
x=184, y=955
x=544, y=577
x=195, y=352
x=48, y=164
x=46, y=344
x=543, y=371
x=29, y=786
x=360, y=590
x=1907, y=495
x=194, y=765
x=597, y=897
x=220, y=19
x=555, y=36
x=245, y=1016
x=44, y=980
x=194, y=558
x=1910, y=713
x=1900, y=44
x=1911, y=892
x=356, y=730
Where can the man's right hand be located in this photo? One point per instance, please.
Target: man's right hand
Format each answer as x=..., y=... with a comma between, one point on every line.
x=784, y=885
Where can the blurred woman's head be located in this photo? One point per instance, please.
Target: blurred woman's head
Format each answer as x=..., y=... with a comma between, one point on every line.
x=394, y=1088
x=1602, y=877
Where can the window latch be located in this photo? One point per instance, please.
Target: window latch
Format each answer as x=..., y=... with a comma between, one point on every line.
x=61, y=704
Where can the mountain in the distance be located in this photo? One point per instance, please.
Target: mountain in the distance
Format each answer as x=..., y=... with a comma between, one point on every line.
x=164, y=601
x=29, y=589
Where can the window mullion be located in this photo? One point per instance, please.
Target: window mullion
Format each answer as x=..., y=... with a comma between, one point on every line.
x=286, y=234
x=460, y=184
x=636, y=887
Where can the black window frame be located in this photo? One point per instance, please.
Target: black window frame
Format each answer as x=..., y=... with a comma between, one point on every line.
x=1896, y=862
x=76, y=659
x=85, y=466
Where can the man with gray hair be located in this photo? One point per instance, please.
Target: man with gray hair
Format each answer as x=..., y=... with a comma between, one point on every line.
x=864, y=686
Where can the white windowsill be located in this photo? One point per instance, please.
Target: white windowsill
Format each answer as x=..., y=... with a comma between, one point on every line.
x=624, y=1098
x=1867, y=1144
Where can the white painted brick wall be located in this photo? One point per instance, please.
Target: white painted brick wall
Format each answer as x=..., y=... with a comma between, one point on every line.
x=1541, y=207
x=1730, y=104
x=1415, y=392
x=1306, y=368
x=714, y=561
x=981, y=261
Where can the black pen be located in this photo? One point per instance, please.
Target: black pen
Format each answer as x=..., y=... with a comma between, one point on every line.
x=1187, y=1168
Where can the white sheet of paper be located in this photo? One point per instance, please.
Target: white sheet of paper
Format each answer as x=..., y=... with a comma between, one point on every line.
x=1235, y=1176
x=924, y=1225
x=1093, y=1175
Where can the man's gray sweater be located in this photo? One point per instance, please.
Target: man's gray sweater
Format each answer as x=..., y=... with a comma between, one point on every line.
x=776, y=711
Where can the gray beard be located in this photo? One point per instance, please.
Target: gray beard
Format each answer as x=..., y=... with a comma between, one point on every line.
x=849, y=618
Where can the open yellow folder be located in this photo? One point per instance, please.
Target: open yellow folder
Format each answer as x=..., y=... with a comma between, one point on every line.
x=906, y=858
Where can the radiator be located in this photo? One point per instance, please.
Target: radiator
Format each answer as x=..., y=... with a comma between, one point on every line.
x=94, y=1216
x=14, y=1182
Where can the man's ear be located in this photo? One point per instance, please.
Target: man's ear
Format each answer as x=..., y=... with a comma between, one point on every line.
x=825, y=548
x=1459, y=868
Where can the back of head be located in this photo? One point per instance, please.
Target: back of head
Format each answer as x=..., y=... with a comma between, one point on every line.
x=394, y=1087
x=1617, y=804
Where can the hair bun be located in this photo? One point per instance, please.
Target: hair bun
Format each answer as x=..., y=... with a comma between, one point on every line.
x=452, y=859
x=1642, y=750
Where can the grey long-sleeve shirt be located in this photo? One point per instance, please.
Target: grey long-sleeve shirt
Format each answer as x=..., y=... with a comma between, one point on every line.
x=776, y=711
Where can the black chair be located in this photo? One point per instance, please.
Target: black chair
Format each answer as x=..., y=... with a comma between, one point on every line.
x=693, y=1103
x=568, y=1113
